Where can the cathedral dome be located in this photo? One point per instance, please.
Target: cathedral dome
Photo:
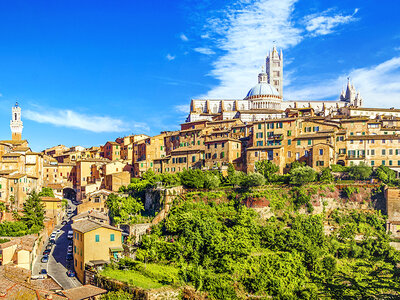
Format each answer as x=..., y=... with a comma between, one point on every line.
x=262, y=89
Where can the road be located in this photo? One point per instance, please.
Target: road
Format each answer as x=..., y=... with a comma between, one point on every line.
x=57, y=266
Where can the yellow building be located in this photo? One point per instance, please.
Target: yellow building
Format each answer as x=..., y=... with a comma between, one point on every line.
x=53, y=208
x=94, y=241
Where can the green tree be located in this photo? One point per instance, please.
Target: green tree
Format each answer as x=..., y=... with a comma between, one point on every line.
x=33, y=212
x=123, y=209
x=117, y=295
x=253, y=179
x=302, y=175
x=385, y=174
x=192, y=178
x=360, y=171
x=326, y=176
x=211, y=181
x=46, y=192
x=268, y=169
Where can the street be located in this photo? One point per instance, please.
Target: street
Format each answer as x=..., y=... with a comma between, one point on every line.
x=57, y=266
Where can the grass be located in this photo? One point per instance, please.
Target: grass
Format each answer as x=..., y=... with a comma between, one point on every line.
x=146, y=276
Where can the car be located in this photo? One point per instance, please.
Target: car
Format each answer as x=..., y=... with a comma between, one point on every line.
x=45, y=258
x=49, y=246
x=46, y=252
x=69, y=256
x=70, y=242
x=70, y=234
x=71, y=273
x=43, y=272
x=69, y=249
x=64, y=222
x=58, y=231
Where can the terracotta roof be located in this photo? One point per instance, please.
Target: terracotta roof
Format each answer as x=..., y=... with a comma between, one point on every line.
x=188, y=149
x=222, y=140
x=375, y=109
x=89, y=225
x=21, y=148
x=314, y=135
x=83, y=292
x=14, y=142
x=374, y=137
x=113, y=143
x=261, y=111
x=11, y=154
x=6, y=172
x=16, y=176
x=87, y=215
x=55, y=186
x=50, y=199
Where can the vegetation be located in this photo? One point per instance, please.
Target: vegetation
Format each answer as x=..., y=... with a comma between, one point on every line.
x=46, y=192
x=385, y=174
x=124, y=209
x=326, y=176
x=360, y=171
x=227, y=251
x=2, y=241
x=268, y=169
x=302, y=175
x=33, y=212
x=117, y=295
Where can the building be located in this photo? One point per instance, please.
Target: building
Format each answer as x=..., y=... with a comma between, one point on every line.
x=94, y=241
x=265, y=100
x=16, y=123
x=95, y=201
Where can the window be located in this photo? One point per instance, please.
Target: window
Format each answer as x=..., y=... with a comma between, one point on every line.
x=321, y=151
x=390, y=151
x=298, y=143
x=372, y=163
x=297, y=155
x=222, y=154
x=383, y=152
x=289, y=133
x=373, y=152
x=112, y=237
x=383, y=162
x=289, y=142
x=390, y=162
x=309, y=142
x=97, y=238
x=289, y=154
x=259, y=126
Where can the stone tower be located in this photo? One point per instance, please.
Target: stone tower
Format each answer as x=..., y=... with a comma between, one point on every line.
x=16, y=123
x=274, y=68
x=351, y=96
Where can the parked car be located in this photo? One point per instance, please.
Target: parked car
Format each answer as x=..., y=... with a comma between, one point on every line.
x=71, y=273
x=43, y=272
x=49, y=246
x=69, y=256
x=45, y=258
x=69, y=249
x=58, y=231
x=70, y=242
x=70, y=235
x=46, y=252
x=64, y=222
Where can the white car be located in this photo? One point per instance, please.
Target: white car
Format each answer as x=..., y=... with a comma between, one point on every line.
x=69, y=249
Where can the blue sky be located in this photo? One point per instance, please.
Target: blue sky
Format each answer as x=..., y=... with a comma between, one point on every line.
x=85, y=72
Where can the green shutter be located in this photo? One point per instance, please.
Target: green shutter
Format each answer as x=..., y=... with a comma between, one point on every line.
x=97, y=238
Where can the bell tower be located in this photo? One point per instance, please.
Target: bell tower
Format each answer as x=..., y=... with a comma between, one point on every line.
x=274, y=68
x=16, y=123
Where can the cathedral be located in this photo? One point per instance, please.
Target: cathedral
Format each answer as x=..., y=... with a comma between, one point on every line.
x=265, y=100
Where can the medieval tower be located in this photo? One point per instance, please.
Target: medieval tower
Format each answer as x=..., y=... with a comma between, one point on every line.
x=274, y=68
x=16, y=123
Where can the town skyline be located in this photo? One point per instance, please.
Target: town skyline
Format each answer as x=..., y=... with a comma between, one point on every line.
x=73, y=100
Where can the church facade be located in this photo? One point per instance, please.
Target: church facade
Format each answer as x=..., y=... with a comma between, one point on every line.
x=265, y=100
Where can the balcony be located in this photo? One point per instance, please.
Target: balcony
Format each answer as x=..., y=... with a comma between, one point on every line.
x=360, y=156
x=275, y=137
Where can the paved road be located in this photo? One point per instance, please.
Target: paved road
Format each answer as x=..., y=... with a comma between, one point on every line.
x=57, y=266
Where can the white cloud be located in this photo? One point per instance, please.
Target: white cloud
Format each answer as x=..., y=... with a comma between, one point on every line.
x=377, y=84
x=72, y=119
x=245, y=34
x=183, y=108
x=204, y=50
x=183, y=37
x=170, y=57
x=323, y=23
x=247, y=30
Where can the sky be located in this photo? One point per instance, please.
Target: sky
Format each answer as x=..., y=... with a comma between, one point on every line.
x=85, y=72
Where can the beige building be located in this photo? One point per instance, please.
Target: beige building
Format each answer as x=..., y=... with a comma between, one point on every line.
x=94, y=241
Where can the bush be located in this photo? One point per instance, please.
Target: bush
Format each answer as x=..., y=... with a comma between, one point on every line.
x=253, y=179
x=360, y=171
x=385, y=174
x=302, y=175
x=326, y=176
x=192, y=178
x=339, y=168
x=350, y=190
x=267, y=169
x=211, y=181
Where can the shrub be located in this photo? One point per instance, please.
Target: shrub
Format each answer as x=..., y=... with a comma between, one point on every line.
x=267, y=169
x=350, y=190
x=360, y=171
x=302, y=175
x=339, y=168
x=326, y=176
x=385, y=174
x=211, y=181
x=192, y=178
x=253, y=179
